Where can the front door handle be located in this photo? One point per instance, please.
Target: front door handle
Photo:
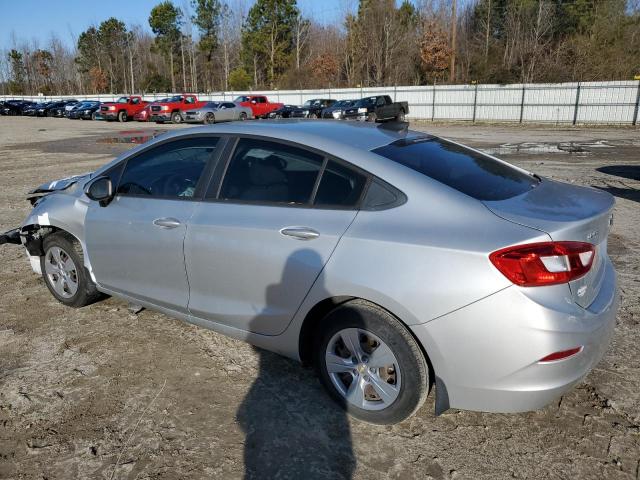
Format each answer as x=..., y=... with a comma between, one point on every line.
x=300, y=233
x=167, y=223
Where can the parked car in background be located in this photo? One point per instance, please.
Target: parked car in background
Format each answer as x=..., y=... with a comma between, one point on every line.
x=46, y=109
x=312, y=108
x=15, y=107
x=173, y=108
x=30, y=110
x=70, y=106
x=336, y=111
x=283, y=112
x=320, y=241
x=144, y=115
x=124, y=109
x=86, y=110
x=63, y=107
x=214, y=112
x=379, y=108
x=259, y=105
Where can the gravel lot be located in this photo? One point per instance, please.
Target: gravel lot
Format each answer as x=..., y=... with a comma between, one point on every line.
x=101, y=393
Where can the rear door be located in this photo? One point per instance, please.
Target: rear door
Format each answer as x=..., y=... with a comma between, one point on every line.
x=136, y=242
x=255, y=248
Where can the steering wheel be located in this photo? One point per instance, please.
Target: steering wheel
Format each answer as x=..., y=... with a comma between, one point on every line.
x=177, y=185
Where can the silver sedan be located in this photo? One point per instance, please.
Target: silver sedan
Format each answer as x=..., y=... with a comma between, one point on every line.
x=214, y=112
x=391, y=260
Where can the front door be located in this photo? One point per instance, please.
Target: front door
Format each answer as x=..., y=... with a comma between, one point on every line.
x=253, y=253
x=135, y=244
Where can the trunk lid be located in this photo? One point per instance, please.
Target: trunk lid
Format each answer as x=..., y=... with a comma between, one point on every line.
x=566, y=212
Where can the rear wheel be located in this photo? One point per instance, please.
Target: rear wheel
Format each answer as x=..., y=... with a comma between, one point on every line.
x=209, y=118
x=64, y=272
x=370, y=364
x=243, y=116
x=122, y=116
x=176, y=117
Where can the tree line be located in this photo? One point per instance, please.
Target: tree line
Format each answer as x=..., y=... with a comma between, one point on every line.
x=217, y=45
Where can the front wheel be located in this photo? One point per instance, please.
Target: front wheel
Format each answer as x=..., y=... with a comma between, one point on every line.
x=370, y=364
x=64, y=273
x=209, y=118
x=176, y=117
x=372, y=117
x=400, y=117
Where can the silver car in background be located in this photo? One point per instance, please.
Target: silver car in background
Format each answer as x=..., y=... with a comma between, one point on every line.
x=214, y=112
x=389, y=259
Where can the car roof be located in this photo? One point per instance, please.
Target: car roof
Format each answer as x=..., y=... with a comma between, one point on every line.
x=327, y=135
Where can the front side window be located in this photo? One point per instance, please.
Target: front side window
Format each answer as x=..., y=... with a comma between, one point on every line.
x=458, y=167
x=135, y=101
x=171, y=170
x=264, y=171
x=123, y=99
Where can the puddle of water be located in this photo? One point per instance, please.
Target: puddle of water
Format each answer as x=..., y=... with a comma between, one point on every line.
x=541, y=147
x=131, y=136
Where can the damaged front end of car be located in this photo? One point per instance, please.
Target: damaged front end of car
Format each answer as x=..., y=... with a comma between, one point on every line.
x=40, y=221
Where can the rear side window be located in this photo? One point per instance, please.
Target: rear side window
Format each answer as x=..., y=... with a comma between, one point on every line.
x=171, y=170
x=469, y=172
x=270, y=172
x=340, y=186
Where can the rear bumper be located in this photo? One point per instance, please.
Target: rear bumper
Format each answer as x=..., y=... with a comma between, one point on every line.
x=486, y=355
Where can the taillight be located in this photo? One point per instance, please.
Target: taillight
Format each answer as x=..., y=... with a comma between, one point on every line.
x=546, y=263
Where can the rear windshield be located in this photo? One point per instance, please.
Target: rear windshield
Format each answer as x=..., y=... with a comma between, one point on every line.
x=469, y=172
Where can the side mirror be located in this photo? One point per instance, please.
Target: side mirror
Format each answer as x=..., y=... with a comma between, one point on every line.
x=100, y=190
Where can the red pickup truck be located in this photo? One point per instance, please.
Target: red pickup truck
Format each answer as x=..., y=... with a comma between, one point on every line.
x=259, y=104
x=170, y=109
x=123, y=109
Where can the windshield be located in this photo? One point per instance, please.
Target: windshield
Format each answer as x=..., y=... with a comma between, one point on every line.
x=241, y=99
x=123, y=100
x=461, y=168
x=343, y=103
x=365, y=102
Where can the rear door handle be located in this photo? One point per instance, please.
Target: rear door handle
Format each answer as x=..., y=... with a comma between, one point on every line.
x=167, y=223
x=300, y=233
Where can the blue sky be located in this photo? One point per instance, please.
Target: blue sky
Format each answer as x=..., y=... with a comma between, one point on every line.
x=68, y=18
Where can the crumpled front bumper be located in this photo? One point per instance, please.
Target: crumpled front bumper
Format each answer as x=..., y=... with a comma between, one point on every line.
x=12, y=236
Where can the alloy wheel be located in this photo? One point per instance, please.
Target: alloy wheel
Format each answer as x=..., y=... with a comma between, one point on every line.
x=363, y=369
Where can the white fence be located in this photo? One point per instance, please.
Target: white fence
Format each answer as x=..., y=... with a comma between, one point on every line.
x=572, y=103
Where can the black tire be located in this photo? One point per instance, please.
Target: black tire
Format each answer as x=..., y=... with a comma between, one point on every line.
x=400, y=116
x=209, y=119
x=87, y=292
x=372, y=117
x=176, y=117
x=411, y=361
x=313, y=115
x=94, y=115
x=243, y=116
x=122, y=116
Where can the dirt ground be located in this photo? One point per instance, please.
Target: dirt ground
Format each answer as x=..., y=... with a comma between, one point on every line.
x=99, y=392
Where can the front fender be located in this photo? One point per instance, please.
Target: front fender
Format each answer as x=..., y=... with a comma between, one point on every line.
x=61, y=211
